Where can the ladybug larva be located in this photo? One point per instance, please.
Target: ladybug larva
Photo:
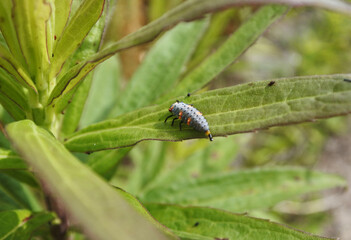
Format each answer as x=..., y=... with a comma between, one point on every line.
x=189, y=115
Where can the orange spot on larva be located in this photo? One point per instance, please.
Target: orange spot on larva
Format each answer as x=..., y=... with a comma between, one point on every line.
x=188, y=121
x=180, y=115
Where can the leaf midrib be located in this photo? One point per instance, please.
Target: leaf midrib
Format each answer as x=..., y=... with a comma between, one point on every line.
x=129, y=125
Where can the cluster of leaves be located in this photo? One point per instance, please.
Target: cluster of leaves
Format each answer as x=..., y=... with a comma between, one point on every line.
x=47, y=50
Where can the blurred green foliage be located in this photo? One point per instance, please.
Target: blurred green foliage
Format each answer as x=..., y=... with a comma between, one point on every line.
x=306, y=42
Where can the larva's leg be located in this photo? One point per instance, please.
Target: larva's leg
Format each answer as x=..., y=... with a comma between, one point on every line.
x=168, y=117
x=174, y=120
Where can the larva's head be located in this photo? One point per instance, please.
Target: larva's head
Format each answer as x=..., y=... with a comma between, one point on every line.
x=209, y=135
x=172, y=106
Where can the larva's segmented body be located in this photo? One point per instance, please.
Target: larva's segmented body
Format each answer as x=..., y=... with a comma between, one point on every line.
x=191, y=116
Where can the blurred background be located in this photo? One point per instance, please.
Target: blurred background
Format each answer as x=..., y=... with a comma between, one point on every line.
x=307, y=41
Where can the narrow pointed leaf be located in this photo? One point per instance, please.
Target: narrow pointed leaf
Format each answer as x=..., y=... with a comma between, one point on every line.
x=155, y=76
x=242, y=108
x=243, y=191
x=228, y=52
x=9, y=64
x=13, y=195
x=213, y=36
x=30, y=18
x=143, y=211
x=9, y=32
x=199, y=223
x=13, y=90
x=62, y=11
x=90, y=45
x=105, y=163
x=11, y=106
x=74, y=111
x=23, y=176
x=75, y=108
x=10, y=160
x=148, y=160
x=187, y=11
x=76, y=30
x=102, y=214
x=106, y=83
x=214, y=157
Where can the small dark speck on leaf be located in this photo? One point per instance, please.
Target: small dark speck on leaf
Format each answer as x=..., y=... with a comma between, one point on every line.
x=53, y=105
x=188, y=94
x=52, y=55
x=88, y=153
x=271, y=83
x=69, y=101
x=347, y=80
x=196, y=224
x=54, y=37
x=63, y=112
x=297, y=178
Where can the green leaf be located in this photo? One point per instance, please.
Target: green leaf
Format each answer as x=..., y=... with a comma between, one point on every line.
x=12, y=220
x=5, y=118
x=218, y=26
x=23, y=176
x=101, y=214
x=208, y=157
x=155, y=76
x=149, y=160
x=187, y=11
x=13, y=195
x=142, y=210
x=229, y=51
x=244, y=190
x=21, y=223
x=13, y=90
x=30, y=19
x=12, y=96
x=73, y=34
x=62, y=11
x=10, y=160
x=106, y=83
x=9, y=32
x=105, y=163
x=14, y=68
x=199, y=223
x=75, y=109
x=11, y=99
x=29, y=227
x=89, y=45
x=242, y=108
